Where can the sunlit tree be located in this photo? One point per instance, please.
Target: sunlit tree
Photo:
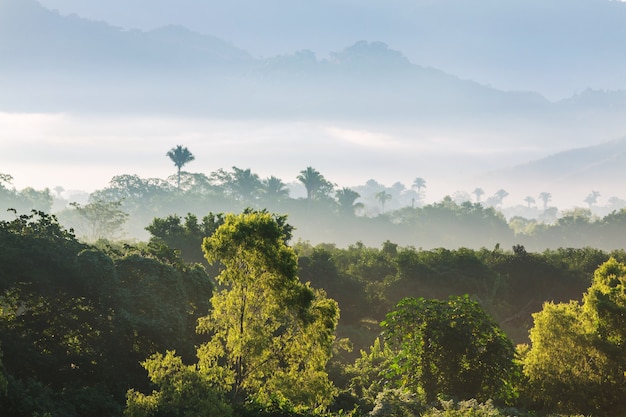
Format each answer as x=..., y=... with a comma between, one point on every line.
x=180, y=156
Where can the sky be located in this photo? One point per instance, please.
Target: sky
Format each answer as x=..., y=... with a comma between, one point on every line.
x=85, y=151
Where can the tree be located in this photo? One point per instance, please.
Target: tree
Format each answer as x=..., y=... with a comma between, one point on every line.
x=545, y=197
x=478, y=192
x=581, y=348
x=101, y=219
x=180, y=156
x=382, y=197
x=450, y=348
x=270, y=334
x=316, y=185
x=346, y=199
x=419, y=183
x=529, y=200
x=275, y=189
x=592, y=198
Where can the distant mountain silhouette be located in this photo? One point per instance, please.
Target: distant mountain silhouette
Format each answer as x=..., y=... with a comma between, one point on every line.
x=587, y=166
x=50, y=62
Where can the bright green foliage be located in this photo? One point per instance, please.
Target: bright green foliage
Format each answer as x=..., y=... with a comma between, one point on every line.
x=270, y=335
x=581, y=349
x=370, y=372
x=449, y=348
x=183, y=392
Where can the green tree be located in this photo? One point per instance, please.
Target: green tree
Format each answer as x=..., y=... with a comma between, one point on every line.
x=271, y=336
x=180, y=156
x=581, y=348
x=450, y=348
x=316, y=185
x=182, y=391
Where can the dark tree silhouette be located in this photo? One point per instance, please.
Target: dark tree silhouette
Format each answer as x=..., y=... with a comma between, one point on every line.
x=545, y=197
x=180, y=156
x=478, y=192
x=346, y=199
x=315, y=183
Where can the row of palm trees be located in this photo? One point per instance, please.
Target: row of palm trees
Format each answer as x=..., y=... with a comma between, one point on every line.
x=244, y=183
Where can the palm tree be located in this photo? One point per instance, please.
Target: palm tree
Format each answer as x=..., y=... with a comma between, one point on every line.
x=478, y=192
x=244, y=183
x=180, y=156
x=529, y=200
x=315, y=183
x=419, y=183
x=274, y=188
x=545, y=197
x=346, y=199
x=383, y=196
x=592, y=198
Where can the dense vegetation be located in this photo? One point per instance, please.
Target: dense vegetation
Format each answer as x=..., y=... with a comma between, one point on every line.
x=371, y=213
x=265, y=328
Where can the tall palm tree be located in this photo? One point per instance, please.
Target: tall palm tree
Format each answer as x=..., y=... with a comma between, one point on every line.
x=545, y=197
x=529, y=200
x=346, y=199
x=383, y=196
x=419, y=183
x=478, y=192
x=180, y=156
x=315, y=183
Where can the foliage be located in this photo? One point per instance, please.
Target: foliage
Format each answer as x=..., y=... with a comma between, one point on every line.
x=101, y=219
x=182, y=391
x=75, y=320
x=317, y=187
x=270, y=334
x=180, y=156
x=580, y=348
x=449, y=348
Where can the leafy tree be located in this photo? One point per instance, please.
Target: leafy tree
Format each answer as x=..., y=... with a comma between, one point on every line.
x=180, y=156
x=101, y=219
x=270, y=334
x=316, y=185
x=580, y=348
x=183, y=391
x=449, y=348
x=382, y=197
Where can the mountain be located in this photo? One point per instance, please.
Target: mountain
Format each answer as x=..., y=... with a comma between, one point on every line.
x=51, y=62
x=556, y=48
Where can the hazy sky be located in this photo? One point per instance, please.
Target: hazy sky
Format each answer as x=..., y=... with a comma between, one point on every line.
x=85, y=152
